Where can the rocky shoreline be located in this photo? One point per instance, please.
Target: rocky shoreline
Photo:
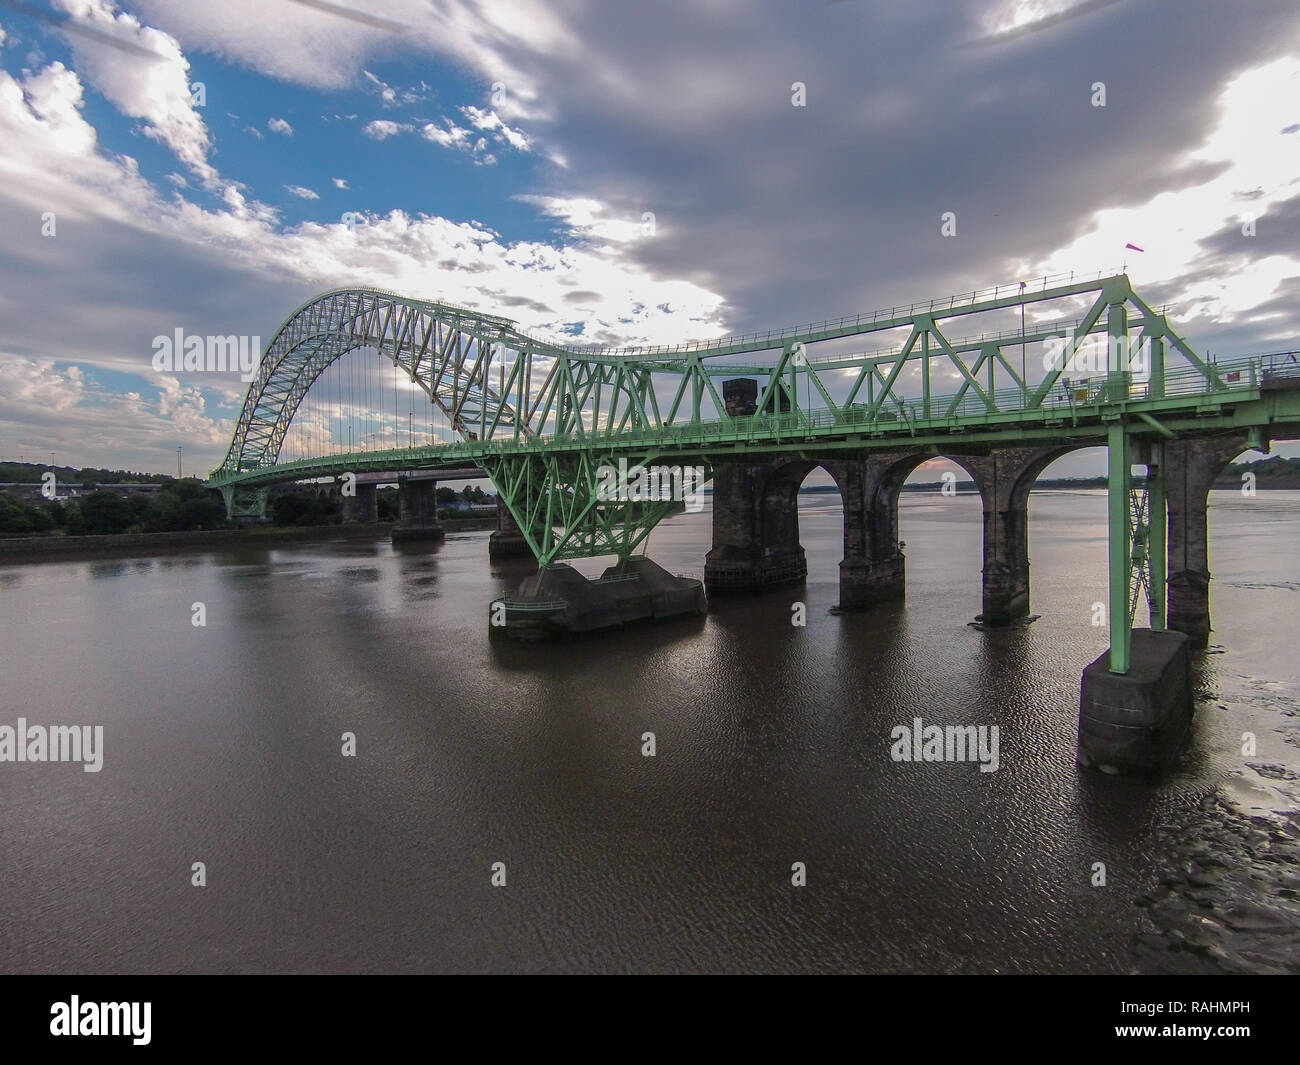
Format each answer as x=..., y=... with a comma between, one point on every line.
x=1229, y=899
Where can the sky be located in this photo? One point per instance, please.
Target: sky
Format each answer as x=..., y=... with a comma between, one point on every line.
x=209, y=167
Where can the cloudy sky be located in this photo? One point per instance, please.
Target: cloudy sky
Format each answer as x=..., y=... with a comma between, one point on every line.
x=172, y=164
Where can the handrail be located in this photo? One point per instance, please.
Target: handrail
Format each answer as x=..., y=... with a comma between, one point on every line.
x=976, y=296
x=532, y=605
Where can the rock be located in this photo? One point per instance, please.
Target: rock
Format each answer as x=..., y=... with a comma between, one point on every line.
x=1251, y=917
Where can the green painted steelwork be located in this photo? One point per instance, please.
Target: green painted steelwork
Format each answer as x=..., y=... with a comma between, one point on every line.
x=1119, y=542
x=555, y=416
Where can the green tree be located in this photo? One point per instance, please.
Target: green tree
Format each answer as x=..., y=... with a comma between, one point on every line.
x=106, y=513
x=186, y=505
x=74, y=520
x=58, y=513
x=14, y=519
x=41, y=520
x=299, y=507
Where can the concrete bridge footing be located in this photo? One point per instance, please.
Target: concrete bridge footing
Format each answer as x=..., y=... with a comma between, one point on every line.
x=363, y=506
x=756, y=525
x=417, y=512
x=1132, y=724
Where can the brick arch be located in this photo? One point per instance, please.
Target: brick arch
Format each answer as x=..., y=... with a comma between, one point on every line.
x=882, y=514
x=779, y=500
x=781, y=552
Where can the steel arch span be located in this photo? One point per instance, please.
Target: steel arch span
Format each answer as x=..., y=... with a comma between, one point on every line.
x=445, y=350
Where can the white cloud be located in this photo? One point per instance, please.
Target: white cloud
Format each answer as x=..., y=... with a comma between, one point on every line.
x=279, y=125
x=303, y=193
x=386, y=92
x=339, y=183
x=491, y=122
x=155, y=91
x=35, y=386
x=93, y=423
x=589, y=218
x=383, y=128
x=453, y=136
x=296, y=43
x=448, y=135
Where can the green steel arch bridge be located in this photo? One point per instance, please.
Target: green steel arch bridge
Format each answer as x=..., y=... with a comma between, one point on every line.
x=1052, y=365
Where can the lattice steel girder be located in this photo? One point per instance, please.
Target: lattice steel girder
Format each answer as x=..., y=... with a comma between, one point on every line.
x=402, y=330
x=245, y=502
x=580, y=504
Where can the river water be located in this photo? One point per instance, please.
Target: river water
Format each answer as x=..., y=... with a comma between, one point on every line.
x=223, y=745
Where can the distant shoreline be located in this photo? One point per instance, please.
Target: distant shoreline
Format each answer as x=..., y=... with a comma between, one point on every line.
x=36, y=548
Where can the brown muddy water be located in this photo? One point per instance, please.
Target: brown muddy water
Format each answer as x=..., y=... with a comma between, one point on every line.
x=223, y=745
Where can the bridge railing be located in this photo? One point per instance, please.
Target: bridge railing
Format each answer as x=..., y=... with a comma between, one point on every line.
x=532, y=606
x=772, y=337
x=1280, y=364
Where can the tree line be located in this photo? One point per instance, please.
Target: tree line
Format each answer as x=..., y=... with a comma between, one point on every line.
x=177, y=506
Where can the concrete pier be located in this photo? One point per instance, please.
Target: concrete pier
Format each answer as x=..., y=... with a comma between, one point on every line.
x=1005, y=478
x=559, y=601
x=1132, y=724
x=756, y=530
x=363, y=506
x=417, y=512
x=756, y=525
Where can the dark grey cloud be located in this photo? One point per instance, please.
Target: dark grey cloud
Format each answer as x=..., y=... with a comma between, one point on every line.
x=519, y=301
x=1277, y=232
x=799, y=213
